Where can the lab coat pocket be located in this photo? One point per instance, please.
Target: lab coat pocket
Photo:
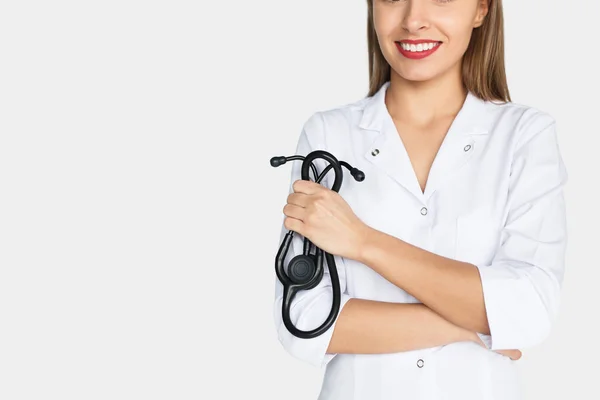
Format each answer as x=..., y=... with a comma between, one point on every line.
x=477, y=236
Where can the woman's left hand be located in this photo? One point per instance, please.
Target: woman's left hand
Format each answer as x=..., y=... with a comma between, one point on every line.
x=514, y=354
x=325, y=218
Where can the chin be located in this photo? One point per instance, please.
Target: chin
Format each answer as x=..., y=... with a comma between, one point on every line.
x=417, y=76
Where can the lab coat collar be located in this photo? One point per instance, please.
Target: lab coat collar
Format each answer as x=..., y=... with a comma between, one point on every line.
x=465, y=138
x=470, y=119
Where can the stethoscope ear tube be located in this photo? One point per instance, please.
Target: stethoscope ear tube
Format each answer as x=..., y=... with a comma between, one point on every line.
x=305, y=271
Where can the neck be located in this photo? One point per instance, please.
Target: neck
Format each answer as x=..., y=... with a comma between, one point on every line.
x=423, y=103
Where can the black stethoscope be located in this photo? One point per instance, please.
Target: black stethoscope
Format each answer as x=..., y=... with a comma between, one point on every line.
x=305, y=270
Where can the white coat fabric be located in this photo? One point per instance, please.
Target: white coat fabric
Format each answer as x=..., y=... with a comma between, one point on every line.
x=493, y=198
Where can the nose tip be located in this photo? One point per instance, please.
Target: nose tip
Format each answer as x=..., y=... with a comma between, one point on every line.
x=414, y=26
x=414, y=19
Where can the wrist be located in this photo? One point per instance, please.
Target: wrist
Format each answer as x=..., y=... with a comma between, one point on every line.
x=367, y=244
x=471, y=336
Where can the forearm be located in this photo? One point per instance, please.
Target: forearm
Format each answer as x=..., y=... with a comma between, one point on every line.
x=426, y=276
x=370, y=327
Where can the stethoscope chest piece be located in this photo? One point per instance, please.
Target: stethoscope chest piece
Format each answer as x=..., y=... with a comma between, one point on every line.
x=303, y=270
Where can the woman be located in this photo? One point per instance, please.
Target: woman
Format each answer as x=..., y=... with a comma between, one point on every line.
x=451, y=252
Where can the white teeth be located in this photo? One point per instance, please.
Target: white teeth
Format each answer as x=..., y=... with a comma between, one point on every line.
x=419, y=47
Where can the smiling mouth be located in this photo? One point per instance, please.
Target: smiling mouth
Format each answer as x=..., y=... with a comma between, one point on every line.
x=418, y=47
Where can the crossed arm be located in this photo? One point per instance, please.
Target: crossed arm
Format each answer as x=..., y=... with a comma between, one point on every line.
x=447, y=314
x=368, y=326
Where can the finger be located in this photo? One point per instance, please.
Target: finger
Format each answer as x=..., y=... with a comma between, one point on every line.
x=307, y=187
x=512, y=354
x=298, y=199
x=294, y=211
x=293, y=224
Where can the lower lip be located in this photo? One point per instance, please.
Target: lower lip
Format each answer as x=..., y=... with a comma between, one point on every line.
x=415, y=55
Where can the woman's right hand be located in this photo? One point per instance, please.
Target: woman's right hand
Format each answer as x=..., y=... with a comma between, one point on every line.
x=513, y=354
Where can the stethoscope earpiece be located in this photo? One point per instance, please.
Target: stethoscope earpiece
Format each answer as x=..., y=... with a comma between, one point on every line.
x=305, y=271
x=357, y=174
x=277, y=161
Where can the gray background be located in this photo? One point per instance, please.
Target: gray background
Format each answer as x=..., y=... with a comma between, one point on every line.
x=139, y=215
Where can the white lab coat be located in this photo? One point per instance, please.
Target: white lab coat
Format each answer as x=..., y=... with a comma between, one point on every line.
x=493, y=198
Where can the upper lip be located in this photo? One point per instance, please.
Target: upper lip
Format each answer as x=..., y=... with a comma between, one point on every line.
x=417, y=41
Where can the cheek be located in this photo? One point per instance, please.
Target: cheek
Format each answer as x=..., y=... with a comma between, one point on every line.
x=386, y=32
x=385, y=25
x=457, y=30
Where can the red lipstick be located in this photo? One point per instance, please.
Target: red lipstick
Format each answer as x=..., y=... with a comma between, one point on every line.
x=415, y=55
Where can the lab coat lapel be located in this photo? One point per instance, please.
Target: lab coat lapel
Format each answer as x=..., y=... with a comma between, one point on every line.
x=465, y=138
x=387, y=152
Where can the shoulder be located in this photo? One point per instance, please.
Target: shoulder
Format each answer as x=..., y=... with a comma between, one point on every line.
x=518, y=122
x=529, y=135
x=321, y=124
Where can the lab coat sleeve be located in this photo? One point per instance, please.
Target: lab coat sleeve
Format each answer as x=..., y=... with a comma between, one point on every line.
x=309, y=308
x=521, y=286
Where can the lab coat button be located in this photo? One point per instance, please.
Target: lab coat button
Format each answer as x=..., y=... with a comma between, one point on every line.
x=467, y=147
x=375, y=152
x=420, y=363
x=424, y=211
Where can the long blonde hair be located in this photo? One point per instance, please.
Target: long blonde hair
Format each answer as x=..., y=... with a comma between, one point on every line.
x=483, y=62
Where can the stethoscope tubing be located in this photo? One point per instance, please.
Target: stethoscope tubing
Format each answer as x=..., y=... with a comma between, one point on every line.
x=290, y=287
